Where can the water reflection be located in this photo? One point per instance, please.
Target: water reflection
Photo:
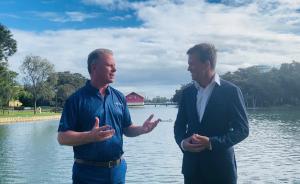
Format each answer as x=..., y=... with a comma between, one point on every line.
x=29, y=152
x=271, y=154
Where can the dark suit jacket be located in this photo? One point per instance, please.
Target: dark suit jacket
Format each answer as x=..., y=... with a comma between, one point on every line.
x=224, y=122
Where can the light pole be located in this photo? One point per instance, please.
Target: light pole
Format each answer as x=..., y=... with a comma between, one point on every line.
x=55, y=110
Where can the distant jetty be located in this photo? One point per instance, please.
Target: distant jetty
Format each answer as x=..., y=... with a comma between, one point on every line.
x=151, y=103
x=160, y=103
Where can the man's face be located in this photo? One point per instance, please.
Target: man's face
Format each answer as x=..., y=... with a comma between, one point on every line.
x=104, y=71
x=197, y=68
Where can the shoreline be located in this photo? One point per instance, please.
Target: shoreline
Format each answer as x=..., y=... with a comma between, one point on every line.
x=12, y=120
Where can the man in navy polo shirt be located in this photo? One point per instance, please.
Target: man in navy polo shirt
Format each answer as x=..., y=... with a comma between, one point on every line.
x=94, y=120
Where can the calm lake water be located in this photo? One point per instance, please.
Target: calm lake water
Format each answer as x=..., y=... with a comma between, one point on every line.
x=29, y=152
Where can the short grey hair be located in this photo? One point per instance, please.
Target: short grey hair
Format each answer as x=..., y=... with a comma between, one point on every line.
x=96, y=55
x=205, y=52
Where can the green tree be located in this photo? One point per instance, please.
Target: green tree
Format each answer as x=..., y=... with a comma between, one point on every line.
x=7, y=84
x=177, y=96
x=67, y=83
x=289, y=76
x=36, y=72
x=246, y=79
x=159, y=99
x=26, y=98
x=8, y=46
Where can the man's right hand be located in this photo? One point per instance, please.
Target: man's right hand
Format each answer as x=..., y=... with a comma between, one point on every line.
x=192, y=144
x=101, y=133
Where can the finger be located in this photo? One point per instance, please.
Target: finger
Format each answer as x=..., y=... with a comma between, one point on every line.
x=194, y=140
x=187, y=140
x=197, y=136
x=152, y=125
x=96, y=122
x=107, y=133
x=105, y=128
x=150, y=117
x=155, y=123
x=203, y=139
x=104, y=137
x=200, y=149
x=196, y=147
x=200, y=144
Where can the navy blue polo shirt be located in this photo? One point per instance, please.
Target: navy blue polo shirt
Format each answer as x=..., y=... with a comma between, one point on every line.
x=79, y=114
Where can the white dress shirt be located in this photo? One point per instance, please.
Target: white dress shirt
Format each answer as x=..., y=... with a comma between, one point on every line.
x=203, y=95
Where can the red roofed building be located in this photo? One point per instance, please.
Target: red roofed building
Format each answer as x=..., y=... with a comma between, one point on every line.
x=134, y=99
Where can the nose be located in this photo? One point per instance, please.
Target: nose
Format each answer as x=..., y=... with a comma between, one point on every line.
x=114, y=69
x=189, y=68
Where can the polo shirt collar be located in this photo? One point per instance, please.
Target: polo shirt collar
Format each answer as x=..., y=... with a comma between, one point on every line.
x=94, y=90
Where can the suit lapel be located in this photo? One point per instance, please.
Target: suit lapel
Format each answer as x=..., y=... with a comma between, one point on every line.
x=211, y=101
x=193, y=103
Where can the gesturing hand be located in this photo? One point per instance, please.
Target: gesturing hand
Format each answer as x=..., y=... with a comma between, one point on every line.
x=149, y=125
x=101, y=133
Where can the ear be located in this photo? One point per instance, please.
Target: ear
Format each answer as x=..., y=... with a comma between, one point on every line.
x=207, y=64
x=93, y=67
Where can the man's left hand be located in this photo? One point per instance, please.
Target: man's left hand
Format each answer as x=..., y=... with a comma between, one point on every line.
x=200, y=140
x=149, y=125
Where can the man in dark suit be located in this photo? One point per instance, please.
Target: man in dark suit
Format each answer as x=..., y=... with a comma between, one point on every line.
x=211, y=119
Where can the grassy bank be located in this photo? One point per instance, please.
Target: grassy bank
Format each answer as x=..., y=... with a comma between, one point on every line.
x=26, y=116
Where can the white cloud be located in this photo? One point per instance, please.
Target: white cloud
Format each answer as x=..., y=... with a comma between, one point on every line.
x=9, y=15
x=117, y=18
x=69, y=16
x=79, y=16
x=152, y=59
x=110, y=4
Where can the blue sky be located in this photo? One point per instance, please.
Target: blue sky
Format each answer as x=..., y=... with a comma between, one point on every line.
x=54, y=15
x=150, y=38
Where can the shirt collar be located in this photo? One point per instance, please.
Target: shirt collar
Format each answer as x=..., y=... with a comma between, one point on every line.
x=94, y=90
x=216, y=80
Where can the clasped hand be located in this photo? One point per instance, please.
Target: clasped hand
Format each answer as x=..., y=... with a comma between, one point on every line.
x=196, y=143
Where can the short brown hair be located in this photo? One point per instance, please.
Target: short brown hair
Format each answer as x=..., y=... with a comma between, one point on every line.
x=205, y=52
x=95, y=55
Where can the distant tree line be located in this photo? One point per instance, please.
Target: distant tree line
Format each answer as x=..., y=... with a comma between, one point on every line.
x=261, y=88
x=157, y=99
x=275, y=87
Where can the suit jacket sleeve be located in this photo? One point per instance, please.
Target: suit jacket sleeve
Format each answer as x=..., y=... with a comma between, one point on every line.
x=180, y=126
x=239, y=128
